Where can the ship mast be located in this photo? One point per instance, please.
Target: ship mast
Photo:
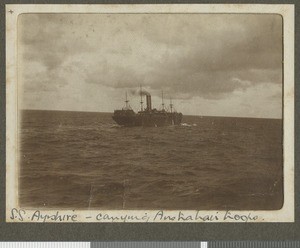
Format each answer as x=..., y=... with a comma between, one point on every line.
x=141, y=102
x=171, y=105
x=126, y=101
x=162, y=100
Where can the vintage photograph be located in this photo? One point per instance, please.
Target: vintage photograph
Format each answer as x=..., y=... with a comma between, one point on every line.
x=150, y=111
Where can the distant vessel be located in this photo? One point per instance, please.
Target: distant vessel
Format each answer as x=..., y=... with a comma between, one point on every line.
x=147, y=117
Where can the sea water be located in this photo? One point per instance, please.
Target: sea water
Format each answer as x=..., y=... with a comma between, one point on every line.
x=84, y=160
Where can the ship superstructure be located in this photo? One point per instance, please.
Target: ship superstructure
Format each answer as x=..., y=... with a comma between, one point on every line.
x=149, y=116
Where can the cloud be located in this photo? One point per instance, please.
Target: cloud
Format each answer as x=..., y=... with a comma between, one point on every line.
x=200, y=55
x=250, y=48
x=47, y=38
x=190, y=57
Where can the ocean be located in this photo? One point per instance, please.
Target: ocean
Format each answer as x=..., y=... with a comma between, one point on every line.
x=83, y=160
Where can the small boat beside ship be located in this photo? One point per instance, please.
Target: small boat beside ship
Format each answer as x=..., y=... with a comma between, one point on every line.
x=147, y=117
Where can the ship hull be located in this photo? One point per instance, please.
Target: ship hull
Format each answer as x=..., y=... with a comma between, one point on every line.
x=128, y=121
x=148, y=120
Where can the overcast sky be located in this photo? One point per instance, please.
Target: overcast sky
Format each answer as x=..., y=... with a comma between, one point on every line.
x=210, y=64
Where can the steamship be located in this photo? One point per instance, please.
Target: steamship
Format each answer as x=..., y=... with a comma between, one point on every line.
x=148, y=117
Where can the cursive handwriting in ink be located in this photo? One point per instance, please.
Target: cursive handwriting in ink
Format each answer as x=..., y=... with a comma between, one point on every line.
x=38, y=216
x=239, y=217
x=17, y=214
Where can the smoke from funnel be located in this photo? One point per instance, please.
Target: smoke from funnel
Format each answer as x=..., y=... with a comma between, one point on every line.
x=144, y=93
x=140, y=92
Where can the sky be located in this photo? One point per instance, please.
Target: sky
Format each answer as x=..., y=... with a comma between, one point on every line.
x=209, y=64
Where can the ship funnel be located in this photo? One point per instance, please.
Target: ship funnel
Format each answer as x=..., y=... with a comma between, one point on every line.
x=148, y=99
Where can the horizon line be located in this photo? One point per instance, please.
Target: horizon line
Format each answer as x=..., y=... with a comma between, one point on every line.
x=248, y=117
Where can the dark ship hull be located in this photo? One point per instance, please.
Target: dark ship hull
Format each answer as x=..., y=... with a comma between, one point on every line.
x=148, y=117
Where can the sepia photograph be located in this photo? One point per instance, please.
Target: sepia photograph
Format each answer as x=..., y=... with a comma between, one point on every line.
x=150, y=111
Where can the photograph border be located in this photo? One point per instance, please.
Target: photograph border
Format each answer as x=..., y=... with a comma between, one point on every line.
x=143, y=231
x=13, y=211
x=286, y=214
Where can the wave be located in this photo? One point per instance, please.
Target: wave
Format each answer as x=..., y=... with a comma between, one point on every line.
x=188, y=125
